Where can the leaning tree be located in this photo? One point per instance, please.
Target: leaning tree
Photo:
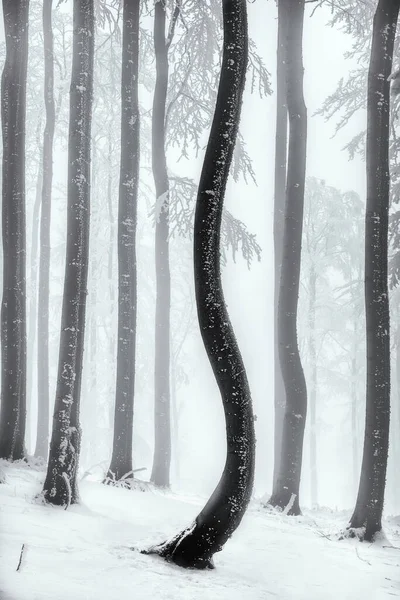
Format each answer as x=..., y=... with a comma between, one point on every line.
x=367, y=515
x=196, y=545
x=13, y=308
x=60, y=486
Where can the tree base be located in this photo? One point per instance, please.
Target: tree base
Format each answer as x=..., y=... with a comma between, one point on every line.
x=190, y=549
x=281, y=503
x=167, y=551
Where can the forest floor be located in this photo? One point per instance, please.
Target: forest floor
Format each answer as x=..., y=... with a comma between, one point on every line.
x=85, y=553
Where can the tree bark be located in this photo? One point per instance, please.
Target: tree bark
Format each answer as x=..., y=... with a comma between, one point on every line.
x=354, y=397
x=32, y=312
x=313, y=388
x=162, y=427
x=60, y=486
x=121, y=461
x=195, y=546
x=110, y=262
x=369, y=506
x=288, y=481
x=279, y=208
x=13, y=309
x=42, y=438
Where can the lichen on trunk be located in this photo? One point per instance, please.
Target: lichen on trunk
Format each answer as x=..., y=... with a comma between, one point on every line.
x=66, y=433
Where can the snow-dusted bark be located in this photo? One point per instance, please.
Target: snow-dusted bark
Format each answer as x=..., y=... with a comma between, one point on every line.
x=369, y=505
x=162, y=425
x=42, y=438
x=121, y=461
x=288, y=479
x=60, y=486
x=279, y=208
x=13, y=309
x=195, y=546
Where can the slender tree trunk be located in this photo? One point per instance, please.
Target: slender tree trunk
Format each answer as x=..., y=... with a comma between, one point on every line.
x=195, y=546
x=162, y=426
x=121, y=460
x=286, y=495
x=313, y=388
x=110, y=264
x=354, y=399
x=279, y=208
x=32, y=321
x=13, y=309
x=42, y=439
x=369, y=505
x=60, y=486
x=175, y=420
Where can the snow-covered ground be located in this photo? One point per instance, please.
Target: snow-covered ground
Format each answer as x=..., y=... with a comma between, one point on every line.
x=86, y=552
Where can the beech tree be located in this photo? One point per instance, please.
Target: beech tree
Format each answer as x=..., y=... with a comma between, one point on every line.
x=286, y=489
x=13, y=309
x=42, y=439
x=60, y=486
x=367, y=514
x=121, y=461
x=195, y=546
x=162, y=428
x=279, y=208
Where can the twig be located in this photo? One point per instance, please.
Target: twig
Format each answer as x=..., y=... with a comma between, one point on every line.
x=289, y=504
x=363, y=559
x=20, y=557
x=68, y=486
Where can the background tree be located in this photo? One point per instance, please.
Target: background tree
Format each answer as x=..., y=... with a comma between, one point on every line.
x=195, y=546
x=162, y=428
x=279, y=209
x=286, y=494
x=368, y=511
x=42, y=439
x=121, y=461
x=60, y=486
x=13, y=309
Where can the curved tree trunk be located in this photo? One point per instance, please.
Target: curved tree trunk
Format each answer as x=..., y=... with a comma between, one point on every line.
x=286, y=494
x=162, y=426
x=121, y=461
x=60, y=486
x=42, y=439
x=279, y=209
x=13, y=309
x=369, y=505
x=195, y=546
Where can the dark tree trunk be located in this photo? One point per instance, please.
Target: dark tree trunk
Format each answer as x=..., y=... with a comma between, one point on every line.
x=60, y=486
x=286, y=494
x=162, y=425
x=121, y=461
x=369, y=505
x=13, y=309
x=42, y=439
x=279, y=208
x=195, y=546
x=313, y=387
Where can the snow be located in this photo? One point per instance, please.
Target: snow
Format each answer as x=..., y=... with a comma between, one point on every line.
x=86, y=552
